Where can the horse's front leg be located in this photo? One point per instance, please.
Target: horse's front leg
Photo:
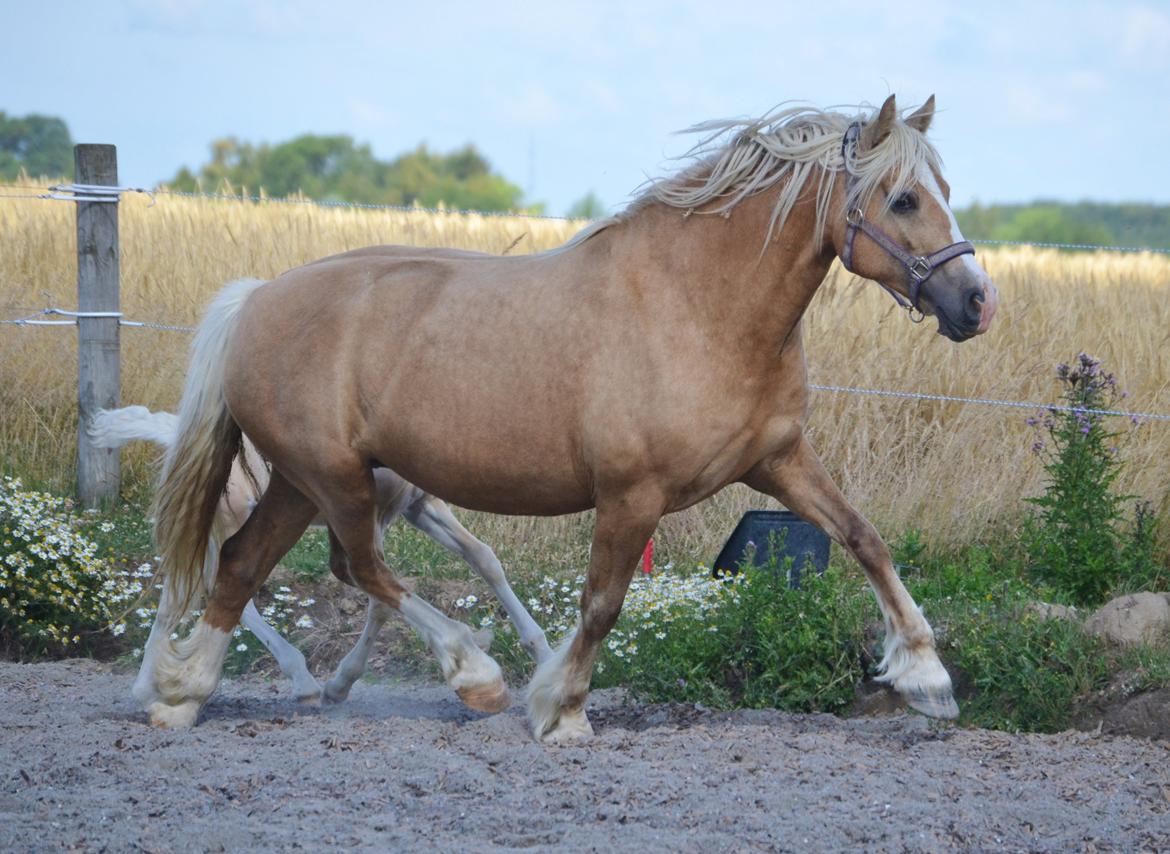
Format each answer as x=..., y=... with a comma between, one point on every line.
x=556, y=694
x=798, y=480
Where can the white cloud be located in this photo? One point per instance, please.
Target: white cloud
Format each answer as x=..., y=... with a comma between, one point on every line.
x=531, y=107
x=1031, y=104
x=1145, y=38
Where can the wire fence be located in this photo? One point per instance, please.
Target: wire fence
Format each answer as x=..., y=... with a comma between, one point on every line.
x=71, y=318
x=76, y=192
x=60, y=192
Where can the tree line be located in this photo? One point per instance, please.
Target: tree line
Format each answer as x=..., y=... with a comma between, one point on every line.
x=337, y=168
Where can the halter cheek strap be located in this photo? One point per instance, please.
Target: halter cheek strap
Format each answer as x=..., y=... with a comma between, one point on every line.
x=919, y=268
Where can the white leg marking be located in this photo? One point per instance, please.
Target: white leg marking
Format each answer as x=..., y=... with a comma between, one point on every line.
x=473, y=674
x=917, y=674
x=145, y=690
x=551, y=722
x=353, y=665
x=187, y=673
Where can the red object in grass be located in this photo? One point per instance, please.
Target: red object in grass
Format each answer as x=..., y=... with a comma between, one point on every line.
x=648, y=557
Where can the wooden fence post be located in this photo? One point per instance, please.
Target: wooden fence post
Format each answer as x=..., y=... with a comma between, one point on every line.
x=99, y=372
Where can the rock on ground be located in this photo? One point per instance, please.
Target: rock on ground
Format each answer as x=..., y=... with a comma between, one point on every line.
x=406, y=766
x=1131, y=620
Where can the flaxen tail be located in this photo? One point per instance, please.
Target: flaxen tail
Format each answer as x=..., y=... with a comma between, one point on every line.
x=199, y=460
x=113, y=428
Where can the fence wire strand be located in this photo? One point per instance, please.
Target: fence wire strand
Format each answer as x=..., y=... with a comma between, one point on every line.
x=33, y=320
x=47, y=193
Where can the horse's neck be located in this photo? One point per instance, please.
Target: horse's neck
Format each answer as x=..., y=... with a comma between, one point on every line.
x=743, y=290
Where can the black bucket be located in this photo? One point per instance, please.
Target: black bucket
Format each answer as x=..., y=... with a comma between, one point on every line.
x=793, y=537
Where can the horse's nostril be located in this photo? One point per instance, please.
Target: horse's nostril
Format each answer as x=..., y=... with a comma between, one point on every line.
x=974, y=305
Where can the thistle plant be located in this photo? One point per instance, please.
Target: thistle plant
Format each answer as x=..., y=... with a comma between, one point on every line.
x=1078, y=539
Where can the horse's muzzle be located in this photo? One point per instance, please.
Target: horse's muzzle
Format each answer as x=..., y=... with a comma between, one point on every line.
x=970, y=314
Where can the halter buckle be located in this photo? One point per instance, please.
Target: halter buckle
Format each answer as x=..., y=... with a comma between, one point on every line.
x=854, y=217
x=920, y=269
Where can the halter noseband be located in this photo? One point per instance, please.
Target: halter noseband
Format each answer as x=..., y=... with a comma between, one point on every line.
x=919, y=268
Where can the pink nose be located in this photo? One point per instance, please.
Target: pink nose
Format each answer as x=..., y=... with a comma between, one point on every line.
x=990, y=304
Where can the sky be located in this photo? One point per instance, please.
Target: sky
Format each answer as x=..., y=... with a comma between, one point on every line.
x=1067, y=100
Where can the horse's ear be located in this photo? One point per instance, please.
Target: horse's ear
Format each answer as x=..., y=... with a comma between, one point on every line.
x=879, y=128
x=920, y=118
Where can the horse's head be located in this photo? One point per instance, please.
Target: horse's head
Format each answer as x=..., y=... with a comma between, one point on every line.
x=893, y=224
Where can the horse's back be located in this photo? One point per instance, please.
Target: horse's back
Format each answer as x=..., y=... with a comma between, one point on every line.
x=426, y=360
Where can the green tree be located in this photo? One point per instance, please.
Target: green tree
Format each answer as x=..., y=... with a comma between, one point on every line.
x=1050, y=224
x=337, y=168
x=588, y=206
x=1127, y=224
x=37, y=145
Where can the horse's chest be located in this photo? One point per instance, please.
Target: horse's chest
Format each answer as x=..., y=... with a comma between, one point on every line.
x=727, y=461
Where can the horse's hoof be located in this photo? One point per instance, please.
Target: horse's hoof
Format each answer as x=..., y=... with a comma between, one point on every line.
x=180, y=716
x=491, y=697
x=940, y=704
x=311, y=700
x=570, y=728
x=333, y=694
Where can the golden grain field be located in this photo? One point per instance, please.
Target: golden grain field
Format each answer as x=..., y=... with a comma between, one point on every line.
x=956, y=472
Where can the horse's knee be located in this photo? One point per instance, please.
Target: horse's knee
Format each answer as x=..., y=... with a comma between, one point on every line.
x=863, y=540
x=599, y=614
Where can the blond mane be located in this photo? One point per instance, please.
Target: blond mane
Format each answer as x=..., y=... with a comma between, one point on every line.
x=739, y=158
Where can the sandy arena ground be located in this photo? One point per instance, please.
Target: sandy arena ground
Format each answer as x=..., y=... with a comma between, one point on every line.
x=404, y=766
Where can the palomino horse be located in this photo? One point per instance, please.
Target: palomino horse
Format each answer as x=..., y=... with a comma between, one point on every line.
x=638, y=369
x=112, y=428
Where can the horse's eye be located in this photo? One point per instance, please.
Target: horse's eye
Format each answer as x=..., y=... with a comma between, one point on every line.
x=905, y=203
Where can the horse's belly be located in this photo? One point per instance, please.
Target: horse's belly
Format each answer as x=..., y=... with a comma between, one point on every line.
x=487, y=472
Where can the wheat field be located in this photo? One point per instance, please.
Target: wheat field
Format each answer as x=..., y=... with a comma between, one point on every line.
x=955, y=472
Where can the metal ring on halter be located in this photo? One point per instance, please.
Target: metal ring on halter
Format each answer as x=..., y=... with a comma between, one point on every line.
x=916, y=314
x=855, y=216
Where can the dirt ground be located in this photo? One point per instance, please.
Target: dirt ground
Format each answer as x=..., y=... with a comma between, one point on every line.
x=403, y=765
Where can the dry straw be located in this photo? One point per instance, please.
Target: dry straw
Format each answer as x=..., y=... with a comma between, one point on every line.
x=956, y=472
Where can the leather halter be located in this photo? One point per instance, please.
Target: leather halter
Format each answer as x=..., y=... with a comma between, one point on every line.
x=919, y=268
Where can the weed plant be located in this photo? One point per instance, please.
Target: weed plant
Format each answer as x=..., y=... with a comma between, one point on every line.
x=1078, y=539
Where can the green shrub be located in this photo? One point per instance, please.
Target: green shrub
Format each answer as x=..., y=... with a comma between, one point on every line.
x=57, y=593
x=1078, y=540
x=746, y=641
x=764, y=645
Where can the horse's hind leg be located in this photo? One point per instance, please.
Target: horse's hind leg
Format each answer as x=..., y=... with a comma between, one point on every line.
x=188, y=672
x=474, y=676
x=434, y=518
x=910, y=663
